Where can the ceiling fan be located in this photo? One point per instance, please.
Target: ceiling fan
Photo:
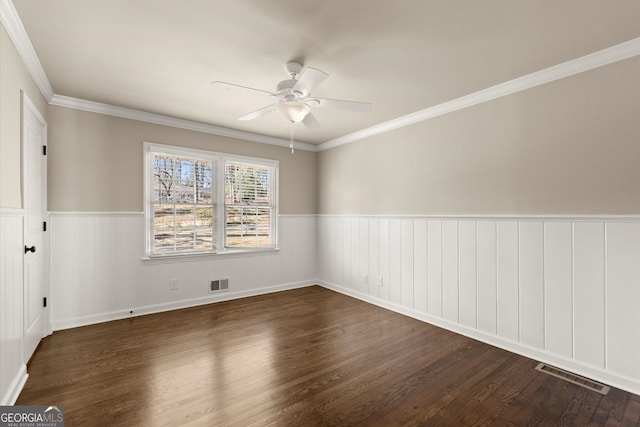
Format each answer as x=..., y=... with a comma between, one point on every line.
x=294, y=100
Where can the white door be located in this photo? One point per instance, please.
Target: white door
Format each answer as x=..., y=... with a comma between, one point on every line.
x=34, y=179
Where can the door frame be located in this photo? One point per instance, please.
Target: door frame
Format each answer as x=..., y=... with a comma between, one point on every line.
x=27, y=106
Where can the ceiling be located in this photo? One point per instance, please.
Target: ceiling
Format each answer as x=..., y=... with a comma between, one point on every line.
x=160, y=56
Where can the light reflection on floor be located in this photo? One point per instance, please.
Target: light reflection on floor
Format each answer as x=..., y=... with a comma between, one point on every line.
x=222, y=373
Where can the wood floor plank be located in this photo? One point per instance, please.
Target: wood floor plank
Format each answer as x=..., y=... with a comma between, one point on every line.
x=618, y=408
x=304, y=357
x=487, y=400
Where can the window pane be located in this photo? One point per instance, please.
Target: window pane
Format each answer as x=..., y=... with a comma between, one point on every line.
x=182, y=199
x=248, y=227
x=248, y=184
x=185, y=225
x=263, y=227
x=183, y=228
x=204, y=239
x=163, y=223
x=204, y=196
x=163, y=173
x=234, y=227
x=182, y=195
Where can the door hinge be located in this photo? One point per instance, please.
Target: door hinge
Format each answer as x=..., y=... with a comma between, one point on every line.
x=44, y=302
x=44, y=226
x=44, y=150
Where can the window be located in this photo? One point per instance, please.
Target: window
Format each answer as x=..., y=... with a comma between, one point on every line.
x=206, y=202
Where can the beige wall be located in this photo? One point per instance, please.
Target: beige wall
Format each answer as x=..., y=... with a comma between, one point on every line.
x=14, y=77
x=568, y=147
x=96, y=162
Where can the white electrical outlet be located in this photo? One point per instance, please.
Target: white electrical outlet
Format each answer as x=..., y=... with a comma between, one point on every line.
x=365, y=279
x=380, y=281
x=173, y=284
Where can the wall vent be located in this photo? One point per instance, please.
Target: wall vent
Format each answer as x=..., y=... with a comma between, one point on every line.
x=573, y=378
x=218, y=285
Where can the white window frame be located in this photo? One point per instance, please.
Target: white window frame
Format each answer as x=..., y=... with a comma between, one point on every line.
x=219, y=180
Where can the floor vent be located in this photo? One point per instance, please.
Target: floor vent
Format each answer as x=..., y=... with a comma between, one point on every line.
x=573, y=378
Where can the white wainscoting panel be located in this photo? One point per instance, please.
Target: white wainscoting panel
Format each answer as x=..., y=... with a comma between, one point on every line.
x=508, y=294
x=374, y=255
x=338, y=251
x=562, y=290
x=364, y=256
x=420, y=265
x=531, y=273
x=348, y=263
x=487, y=277
x=355, y=254
x=589, y=293
x=406, y=252
x=434, y=267
x=558, y=283
x=467, y=299
x=622, y=294
x=13, y=373
x=98, y=272
x=384, y=263
x=395, y=261
x=450, y=270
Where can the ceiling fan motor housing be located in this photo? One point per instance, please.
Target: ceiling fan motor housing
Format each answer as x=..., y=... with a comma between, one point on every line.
x=285, y=89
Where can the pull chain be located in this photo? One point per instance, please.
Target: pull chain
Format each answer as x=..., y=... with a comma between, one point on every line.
x=291, y=138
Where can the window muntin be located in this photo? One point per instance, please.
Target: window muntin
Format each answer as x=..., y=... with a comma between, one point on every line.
x=206, y=202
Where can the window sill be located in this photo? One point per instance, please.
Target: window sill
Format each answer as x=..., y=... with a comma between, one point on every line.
x=230, y=253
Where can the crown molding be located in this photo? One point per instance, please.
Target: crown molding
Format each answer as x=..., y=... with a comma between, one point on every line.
x=588, y=62
x=159, y=119
x=18, y=35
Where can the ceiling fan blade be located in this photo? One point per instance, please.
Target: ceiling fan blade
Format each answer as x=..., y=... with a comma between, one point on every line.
x=235, y=87
x=338, y=104
x=309, y=79
x=258, y=113
x=310, y=121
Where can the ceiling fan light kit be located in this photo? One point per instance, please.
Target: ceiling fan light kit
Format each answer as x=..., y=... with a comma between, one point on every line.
x=293, y=111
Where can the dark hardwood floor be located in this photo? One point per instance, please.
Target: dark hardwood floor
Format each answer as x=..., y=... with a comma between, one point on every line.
x=303, y=357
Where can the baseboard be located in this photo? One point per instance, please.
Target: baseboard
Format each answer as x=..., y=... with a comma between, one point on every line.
x=606, y=377
x=15, y=387
x=176, y=305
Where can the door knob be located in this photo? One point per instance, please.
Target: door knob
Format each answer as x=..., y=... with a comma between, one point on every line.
x=29, y=249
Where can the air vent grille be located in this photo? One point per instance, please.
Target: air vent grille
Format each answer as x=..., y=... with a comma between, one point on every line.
x=218, y=285
x=573, y=378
